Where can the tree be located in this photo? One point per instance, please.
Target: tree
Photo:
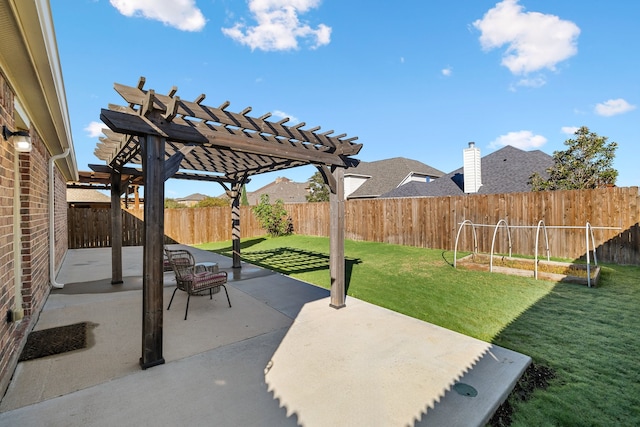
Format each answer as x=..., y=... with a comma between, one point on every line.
x=273, y=217
x=172, y=204
x=210, y=202
x=587, y=163
x=244, y=201
x=318, y=190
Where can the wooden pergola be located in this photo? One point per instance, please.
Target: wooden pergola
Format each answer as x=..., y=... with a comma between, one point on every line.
x=169, y=137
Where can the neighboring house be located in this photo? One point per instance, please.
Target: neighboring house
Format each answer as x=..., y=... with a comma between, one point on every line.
x=87, y=198
x=33, y=206
x=192, y=199
x=372, y=179
x=282, y=188
x=504, y=171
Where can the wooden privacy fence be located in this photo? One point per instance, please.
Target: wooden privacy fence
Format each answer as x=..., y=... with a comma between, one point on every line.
x=91, y=228
x=430, y=222
x=433, y=222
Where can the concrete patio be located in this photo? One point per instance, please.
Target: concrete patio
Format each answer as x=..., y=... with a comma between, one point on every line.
x=280, y=356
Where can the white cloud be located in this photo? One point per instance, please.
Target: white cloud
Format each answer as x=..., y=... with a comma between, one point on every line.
x=613, y=107
x=281, y=115
x=569, y=130
x=180, y=14
x=278, y=26
x=524, y=140
x=447, y=71
x=94, y=129
x=534, y=40
x=534, y=82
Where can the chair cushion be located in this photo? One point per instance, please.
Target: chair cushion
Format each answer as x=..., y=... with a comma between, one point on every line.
x=207, y=279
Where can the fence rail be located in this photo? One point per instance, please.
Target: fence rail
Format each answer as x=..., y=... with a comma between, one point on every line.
x=430, y=222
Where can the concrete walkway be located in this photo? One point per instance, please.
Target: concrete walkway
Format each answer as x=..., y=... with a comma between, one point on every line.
x=280, y=356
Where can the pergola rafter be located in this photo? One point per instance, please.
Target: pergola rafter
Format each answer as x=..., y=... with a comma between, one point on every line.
x=171, y=137
x=145, y=99
x=216, y=129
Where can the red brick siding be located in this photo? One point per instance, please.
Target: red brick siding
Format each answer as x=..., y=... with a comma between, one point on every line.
x=60, y=216
x=10, y=333
x=34, y=244
x=34, y=211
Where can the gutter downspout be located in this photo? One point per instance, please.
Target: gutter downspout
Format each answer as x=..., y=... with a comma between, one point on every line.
x=52, y=244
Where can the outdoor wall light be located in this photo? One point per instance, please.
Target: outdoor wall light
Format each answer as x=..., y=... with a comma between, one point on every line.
x=21, y=139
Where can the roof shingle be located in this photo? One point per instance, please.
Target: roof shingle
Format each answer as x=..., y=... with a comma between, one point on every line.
x=283, y=189
x=85, y=195
x=504, y=171
x=385, y=175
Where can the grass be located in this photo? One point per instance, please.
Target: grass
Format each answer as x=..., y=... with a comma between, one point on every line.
x=588, y=336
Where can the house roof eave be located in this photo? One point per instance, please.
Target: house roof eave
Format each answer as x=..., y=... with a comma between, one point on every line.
x=29, y=59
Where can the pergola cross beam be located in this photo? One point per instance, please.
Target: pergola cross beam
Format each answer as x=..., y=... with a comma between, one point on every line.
x=184, y=131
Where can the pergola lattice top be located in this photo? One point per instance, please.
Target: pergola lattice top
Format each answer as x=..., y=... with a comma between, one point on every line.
x=214, y=140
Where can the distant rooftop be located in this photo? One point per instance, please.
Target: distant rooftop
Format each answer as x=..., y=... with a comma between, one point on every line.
x=504, y=171
x=84, y=195
x=282, y=188
x=385, y=175
x=195, y=197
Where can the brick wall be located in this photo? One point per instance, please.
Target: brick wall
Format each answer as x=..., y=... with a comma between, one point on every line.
x=60, y=215
x=34, y=213
x=34, y=244
x=10, y=333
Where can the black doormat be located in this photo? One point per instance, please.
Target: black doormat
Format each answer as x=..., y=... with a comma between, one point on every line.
x=52, y=341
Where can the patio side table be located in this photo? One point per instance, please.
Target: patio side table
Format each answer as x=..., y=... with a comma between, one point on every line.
x=207, y=266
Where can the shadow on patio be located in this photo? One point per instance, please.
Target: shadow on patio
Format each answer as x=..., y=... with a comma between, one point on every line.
x=291, y=260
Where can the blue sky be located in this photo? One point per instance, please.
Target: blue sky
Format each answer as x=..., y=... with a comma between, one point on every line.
x=415, y=78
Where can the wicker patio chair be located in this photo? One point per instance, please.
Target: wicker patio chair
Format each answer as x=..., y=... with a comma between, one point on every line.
x=166, y=265
x=192, y=282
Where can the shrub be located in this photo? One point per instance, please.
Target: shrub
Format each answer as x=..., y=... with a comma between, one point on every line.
x=173, y=204
x=273, y=217
x=209, y=202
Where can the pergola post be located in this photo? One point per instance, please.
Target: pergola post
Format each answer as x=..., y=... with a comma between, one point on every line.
x=116, y=229
x=236, y=192
x=153, y=151
x=336, y=238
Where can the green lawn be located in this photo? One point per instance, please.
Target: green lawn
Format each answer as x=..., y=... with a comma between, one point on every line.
x=588, y=336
